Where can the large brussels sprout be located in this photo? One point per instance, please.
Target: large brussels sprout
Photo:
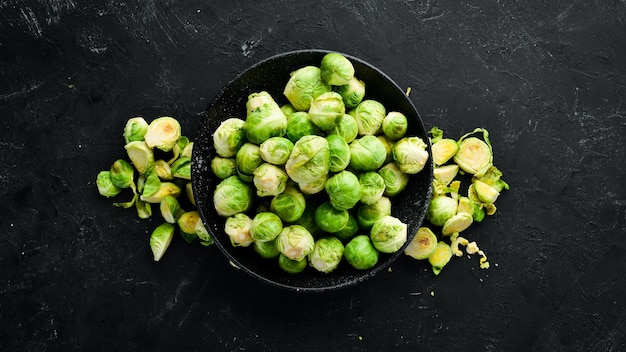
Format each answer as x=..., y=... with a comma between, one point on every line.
x=360, y=253
x=299, y=124
x=346, y=127
x=237, y=227
x=326, y=110
x=269, y=180
x=232, y=196
x=295, y=242
x=367, y=153
x=395, y=179
x=265, y=226
x=344, y=190
x=327, y=254
x=229, y=136
x=276, y=150
x=330, y=219
x=395, y=125
x=410, y=154
x=336, y=69
x=265, y=120
x=352, y=93
x=309, y=160
x=388, y=234
x=304, y=85
x=289, y=205
x=368, y=214
x=162, y=133
x=369, y=115
x=339, y=153
x=372, y=186
x=248, y=158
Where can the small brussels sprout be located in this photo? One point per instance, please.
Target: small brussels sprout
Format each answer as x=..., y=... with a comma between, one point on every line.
x=223, y=167
x=457, y=223
x=105, y=185
x=352, y=93
x=265, y=226
x=326, y=110
x=395, y=180
x=339, y=153
x=188, y=221
x=289, y=205
x=440, y=257
x=465, y=205
x=288, y=109
x=291, y=266
x=443, y=150
x=135, y=129
x=265, y=120
x=410, y=154
x=440, y=209
x=485, y=193
x=446, y=173
x=232, y=196
x=295, y=242
x=309, y=160
x=304, y=85
x=299, y=124
x=422, y=245
x=336, y=69
x=492, y=177
x=474, y=155
x=367, y=153
x=248, y=158
x=122, y=173
x=163, y=170
x=140, y=155
x=203, y=234
x=346, y=127
x=237, y=227
x=152, y=184
x=276, y=150
x=344, y=190
x=329, y=219
x=372, y=186
x=313, y=187
x=266, y=250
x=368, y=214
x=170, y=209
x=326, y=255
x=360, y=253
x=144, y=210
x=181, y=168
x=369, y=115
x=269, y=180
x=160, y=240
x=229, y=136
x=165, y=189
x=348, y=231
x=395, y=125
x=388, y=234
x=162, y=133
x=189, y=193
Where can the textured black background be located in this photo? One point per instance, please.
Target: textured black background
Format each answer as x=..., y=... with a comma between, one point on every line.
x=547, y=79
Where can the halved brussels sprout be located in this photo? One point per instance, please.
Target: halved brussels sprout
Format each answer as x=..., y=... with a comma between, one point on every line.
x=440, y=209
x=265, y=119
x=352, y=93
x=395, y=125
x=140, y=155
x=485, y=193
x=105, y=186
x=422, y=245
x=395, y=180
x=276, y=150
x=339, y=153
x=304, y=85
x=237, y=227
x=135, y=129
x=369, y=115
x=309, y=160
x=160, y=240
x=446, y=173
x=367, y=153
x=232, y=196
x=336, y=69
x=295, y=242
x=152, y=184
x=344, y=190
x=474, y=155
x=457, y=223
x=162, y=133
x=163, y=170
x=388, y=234
x=443, y=150
x=327, y=254
x=265, y=227
x=188, y=223
x=229, y=136
x=181, y=168
x=440, y=257
x=410, y=154
x=170, y=209
x=165, y=189
x=326, y=110
x=360, y=253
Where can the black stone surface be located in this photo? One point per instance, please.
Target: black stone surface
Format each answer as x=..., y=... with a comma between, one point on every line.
x=547, y=79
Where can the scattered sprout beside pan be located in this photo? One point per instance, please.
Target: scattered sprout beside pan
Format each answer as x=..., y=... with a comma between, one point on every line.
x=309, y=184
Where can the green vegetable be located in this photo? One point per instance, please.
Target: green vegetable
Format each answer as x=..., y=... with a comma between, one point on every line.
x=181, y=168
x=140, y=155
x=446, y=173
x=339, y=153
x=336, y=69
x=474, y=155
x=135, y=129
x=232, y=196
x=410, y=154
x=349, y=230
x=360, y=253
x=170, y=209
x=329, y=218
x=229, y=136
x=163, y=133
x=457, y=223
x=265, y=119
x=223, y=167
x=368, y=214
x=304, y=85
x=269, y=180
x=422, y=245
x=276, y=150
x=160, y=240
x=372, y=186
x=369, y=115
x=105, y=185
x=395, y=180
x=291, y=266
x=299, y=124
x=388, y=234
x=352, y=93
x=327, y=254
x=367, y=153
x=165, y=189
x=122, y=174
x=289, y=205
x=326, y=110
x=163, y=170
x=265, y=227
x=248, y=158
x=440, y=257
x=344, y=190
x=345, y=127
x=395, y=125
x=266, y=250
x=295, y=242
x=309, y=160
x=440, y=209
x=237, y=227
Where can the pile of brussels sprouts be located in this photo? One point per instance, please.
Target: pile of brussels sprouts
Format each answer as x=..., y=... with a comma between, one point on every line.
x=161, y=155
x=451, y=211
x=310, y=182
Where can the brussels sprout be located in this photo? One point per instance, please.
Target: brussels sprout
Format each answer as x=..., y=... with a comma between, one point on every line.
x=446, y=173
x=229, y=136
x=181, y=168
x=474, y=155
x=422, y=245
x=304, y=85
x=410, y=154
x=140, y=155
x=152, y=184
x=203, y=234
x=189, y=192
x=307, y=219
x=348, y=231
x=266, y=250
x=492, y=177
x=288, y=110
x=336, y=69
x=344, y=190
x=162, y=133
x=276, y=150
x=295, y=242
x=144, y=210
x=395, y=180
x=313, y=187
x=486, y=208
x=330, y=219
x=188, y=221
x=299, y=124
x=122, y=173
x=289, y=205
x=368, y=214
x=265, y=120
x=457, y=223
x=465, y=205
x=182, y=146
x=188, y=150
x=352, y=93
x=160, y=240
x=237, y=227
x=326, y=110
x=259, y=100
x=165, y=189
x=327, y=254
x=105, y=185
x=346, y=127
x=248, y=158
x=485, y=193
x=440, y=257
x=369, y=115
x=170, y=209
x=163, y=170
x=388, y=143
x=372, y=186
x=232, y=196
x=388, y=234
x=367, y=153
x=395, y=125
x=223, y=167
x=265, y=226
x=135, y=129
x=360, y=253
x=269, y=180
x=339, y=153
x=291, y=266
x=443, y=150
x=440, y=209
x=309, y=160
